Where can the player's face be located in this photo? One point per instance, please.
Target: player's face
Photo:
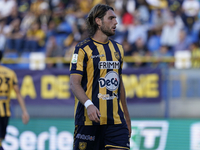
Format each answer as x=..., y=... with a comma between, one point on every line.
x=109, y=23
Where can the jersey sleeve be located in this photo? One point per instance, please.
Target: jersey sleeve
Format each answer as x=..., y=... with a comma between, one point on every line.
x=78, y=61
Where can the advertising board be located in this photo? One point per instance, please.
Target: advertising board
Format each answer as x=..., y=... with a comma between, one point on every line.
x=51, y=86
x=148, y=134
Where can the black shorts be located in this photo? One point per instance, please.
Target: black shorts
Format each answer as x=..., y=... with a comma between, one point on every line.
x=101, y=137
x=3, y=126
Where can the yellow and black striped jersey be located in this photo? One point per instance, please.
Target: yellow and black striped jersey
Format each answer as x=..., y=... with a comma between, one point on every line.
x=100, y=65
x=8, y=78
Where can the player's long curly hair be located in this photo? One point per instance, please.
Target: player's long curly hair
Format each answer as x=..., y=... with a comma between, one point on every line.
x=98, y=11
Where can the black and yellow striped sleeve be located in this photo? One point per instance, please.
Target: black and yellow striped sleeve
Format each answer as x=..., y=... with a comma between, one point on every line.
x=78, y=62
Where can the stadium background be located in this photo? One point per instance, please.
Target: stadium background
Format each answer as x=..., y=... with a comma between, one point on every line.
x=161, y=69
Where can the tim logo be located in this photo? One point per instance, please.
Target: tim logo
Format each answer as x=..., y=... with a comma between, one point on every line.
x=148, y=135
x=110, y=81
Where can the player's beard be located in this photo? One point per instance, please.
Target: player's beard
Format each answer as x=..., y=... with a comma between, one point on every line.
x=107, y=31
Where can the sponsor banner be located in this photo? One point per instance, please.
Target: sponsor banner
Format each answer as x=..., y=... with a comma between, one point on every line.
x=142, y=85
x=40, y=134
x=51, y=86
x=57, y=134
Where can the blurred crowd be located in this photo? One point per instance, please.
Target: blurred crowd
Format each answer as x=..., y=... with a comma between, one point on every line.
x=158, y=28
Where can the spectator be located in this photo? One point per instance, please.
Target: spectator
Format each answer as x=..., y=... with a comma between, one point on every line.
x=161, y=53
x=15, y=37
x=51, y=31
x=119, y=4
x=35, y=38
x=14, y=15
x=2, y=35
x=175, y=5
x=142, y=11
x=159, y=19
x=154, y=42
x=128, y=50
x=170, y=33
x=127, y=19
x=195, y=53
x=6, y=7
x=190, y=11
x=23, y=7
x=82, y=30
x=80, y=8
x=35, y=7
x=121, y=29
x=86, y=5
x=140, y=47
x=28, y=19
x=157, y=4
x=140, y=50
x=183, y=42
x=45, y=15
x=137, y=30
x=58, y=5
x=63, y=30
x=53, y=50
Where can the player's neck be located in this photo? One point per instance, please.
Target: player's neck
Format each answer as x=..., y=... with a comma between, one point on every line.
x=100, y=37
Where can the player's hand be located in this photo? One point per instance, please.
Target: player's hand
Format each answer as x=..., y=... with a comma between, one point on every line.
x=93, y=113
x=25, y=117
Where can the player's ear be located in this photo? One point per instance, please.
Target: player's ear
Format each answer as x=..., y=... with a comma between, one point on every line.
x=98, y=21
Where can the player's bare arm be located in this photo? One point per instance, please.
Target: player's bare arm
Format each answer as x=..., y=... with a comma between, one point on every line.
x=75, y=85
x=124, y=105
x=25, y=115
